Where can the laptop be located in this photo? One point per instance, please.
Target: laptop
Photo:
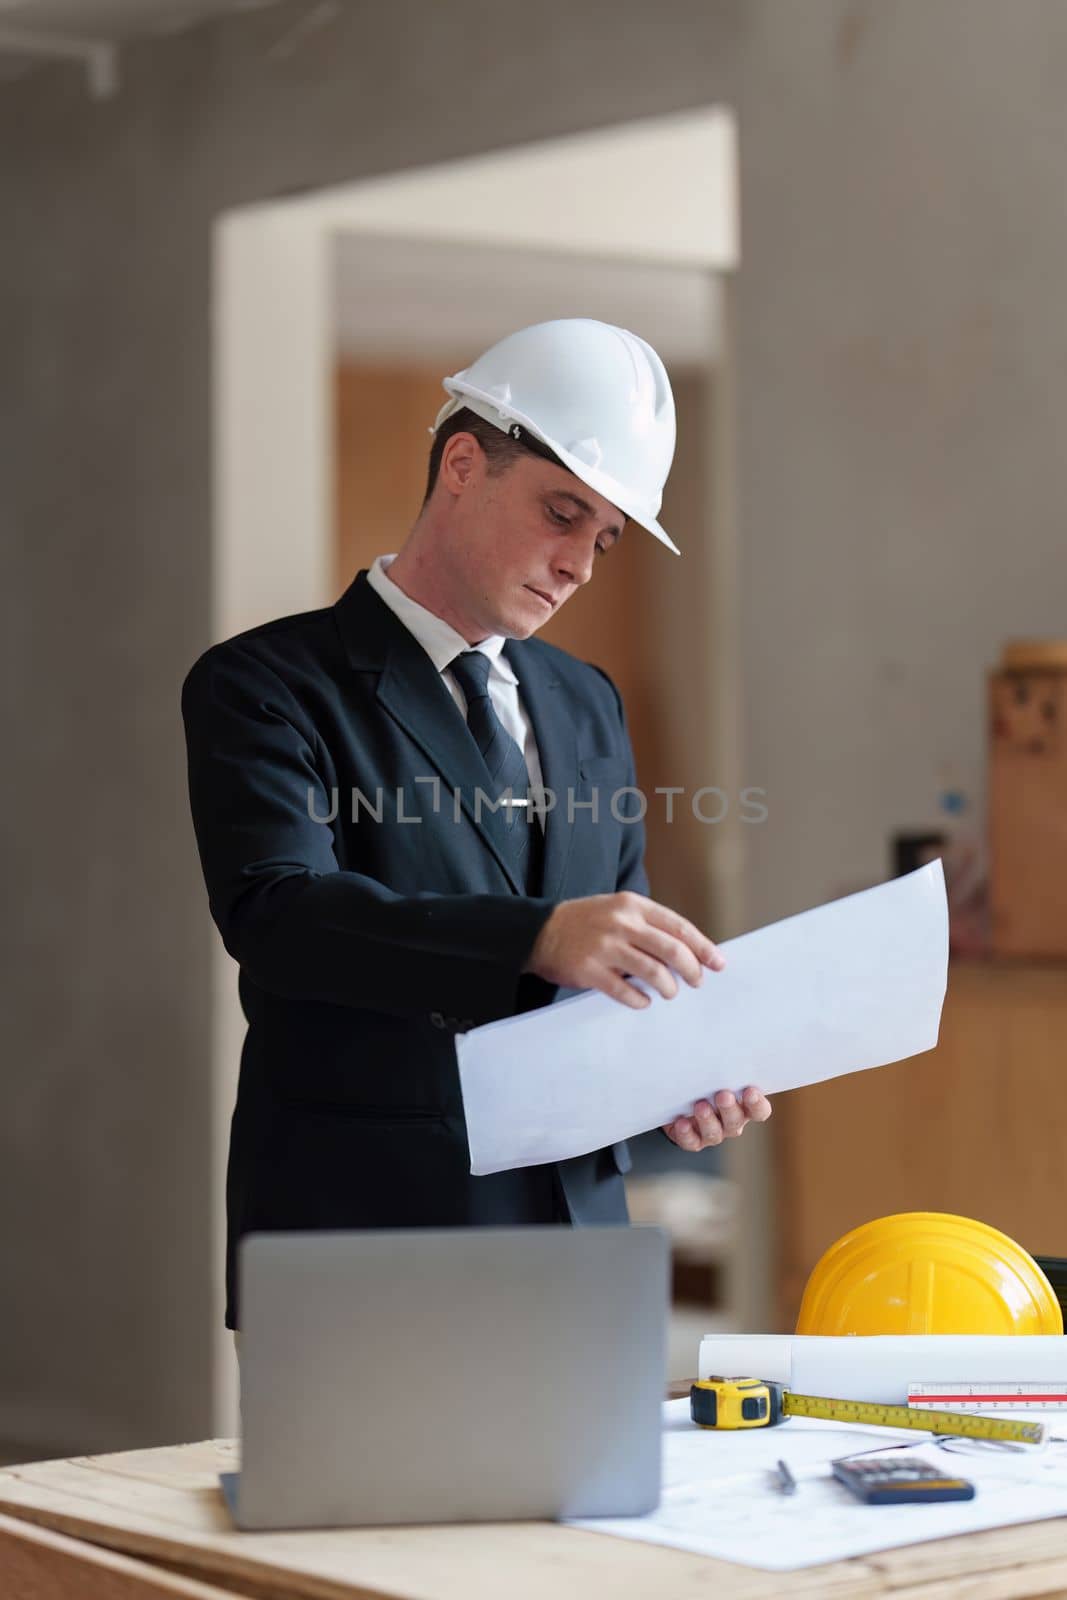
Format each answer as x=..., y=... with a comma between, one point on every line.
x=465, y=1375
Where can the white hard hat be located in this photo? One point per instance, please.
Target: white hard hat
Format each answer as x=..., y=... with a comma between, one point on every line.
x=596, y=395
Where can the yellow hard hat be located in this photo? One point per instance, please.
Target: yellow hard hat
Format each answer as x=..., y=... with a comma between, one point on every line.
x=928, y=1272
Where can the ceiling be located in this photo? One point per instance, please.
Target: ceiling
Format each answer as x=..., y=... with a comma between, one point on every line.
x=37, y=33
x=419, y=302
x=114, y=19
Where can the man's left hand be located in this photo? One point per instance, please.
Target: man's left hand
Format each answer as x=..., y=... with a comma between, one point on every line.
x=724, y=1116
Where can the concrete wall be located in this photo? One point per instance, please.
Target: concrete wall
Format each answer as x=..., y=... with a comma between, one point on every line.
x=901, y=360
x=903, y=371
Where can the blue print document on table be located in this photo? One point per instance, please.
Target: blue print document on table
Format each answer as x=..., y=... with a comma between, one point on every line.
x=721, y=1497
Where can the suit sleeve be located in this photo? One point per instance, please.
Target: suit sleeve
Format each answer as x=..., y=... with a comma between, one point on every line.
x=297, y=923
x=631, y=874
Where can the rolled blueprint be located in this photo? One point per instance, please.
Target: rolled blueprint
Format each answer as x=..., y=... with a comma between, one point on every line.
x=882, y=1367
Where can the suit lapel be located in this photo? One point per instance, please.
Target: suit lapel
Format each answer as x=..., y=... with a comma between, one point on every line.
x=414, y=694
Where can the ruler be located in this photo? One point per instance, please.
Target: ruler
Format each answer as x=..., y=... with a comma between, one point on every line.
x=1038, y=1395
x=872, y=1414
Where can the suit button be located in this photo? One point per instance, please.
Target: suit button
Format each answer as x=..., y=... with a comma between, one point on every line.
x=438, y=1020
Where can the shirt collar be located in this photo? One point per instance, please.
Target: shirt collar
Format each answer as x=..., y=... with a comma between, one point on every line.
x=438, y=638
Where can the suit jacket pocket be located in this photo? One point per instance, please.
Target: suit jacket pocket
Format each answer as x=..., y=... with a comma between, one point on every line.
x=600, y=769
x=350, y=1062
x=376, y=1116
x=597, y=824
x=607, y=775
x=384, y=1170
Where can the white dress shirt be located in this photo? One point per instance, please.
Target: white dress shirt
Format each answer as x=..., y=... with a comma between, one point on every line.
x=443, y=644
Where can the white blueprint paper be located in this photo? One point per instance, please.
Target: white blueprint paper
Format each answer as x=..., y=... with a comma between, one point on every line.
x=720, y=1493
x=853, y=984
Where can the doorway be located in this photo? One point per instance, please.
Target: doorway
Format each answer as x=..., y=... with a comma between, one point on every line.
x=326, y=301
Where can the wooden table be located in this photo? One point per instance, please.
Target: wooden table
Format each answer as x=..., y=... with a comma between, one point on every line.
x=152, y=1523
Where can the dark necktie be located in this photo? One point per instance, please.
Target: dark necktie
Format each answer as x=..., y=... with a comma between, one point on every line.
x=505, y=763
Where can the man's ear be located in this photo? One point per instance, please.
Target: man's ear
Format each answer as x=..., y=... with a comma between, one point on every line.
x=462, y=460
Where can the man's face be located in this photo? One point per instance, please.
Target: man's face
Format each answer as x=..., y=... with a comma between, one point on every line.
x=525, y=540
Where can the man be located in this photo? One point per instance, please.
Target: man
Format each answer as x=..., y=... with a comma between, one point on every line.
x=372, y=789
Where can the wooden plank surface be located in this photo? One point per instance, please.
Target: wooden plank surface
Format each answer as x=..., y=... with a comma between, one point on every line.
x=36, y=1564
x=165, y=1506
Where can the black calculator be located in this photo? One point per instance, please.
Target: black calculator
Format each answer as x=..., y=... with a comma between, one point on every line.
x=898, y=1480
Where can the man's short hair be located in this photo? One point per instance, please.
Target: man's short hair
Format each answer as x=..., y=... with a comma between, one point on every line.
x=501, y=449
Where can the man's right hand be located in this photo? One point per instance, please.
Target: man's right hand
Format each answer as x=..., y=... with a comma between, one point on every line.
x=599, y=942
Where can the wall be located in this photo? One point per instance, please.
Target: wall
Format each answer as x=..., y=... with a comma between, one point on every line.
x=903, y=370
x=901, y=353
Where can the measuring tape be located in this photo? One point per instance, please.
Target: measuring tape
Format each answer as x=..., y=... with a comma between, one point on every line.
x=733, y=1403
x=871, y=1414
x=1037, y=1396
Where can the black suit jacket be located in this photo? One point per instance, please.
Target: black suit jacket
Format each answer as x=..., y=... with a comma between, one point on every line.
x=365, y=945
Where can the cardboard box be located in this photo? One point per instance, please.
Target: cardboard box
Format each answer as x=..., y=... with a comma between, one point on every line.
x=1028, y=800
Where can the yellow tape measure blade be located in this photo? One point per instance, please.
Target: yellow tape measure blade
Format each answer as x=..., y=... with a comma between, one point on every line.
x=872, y=1414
